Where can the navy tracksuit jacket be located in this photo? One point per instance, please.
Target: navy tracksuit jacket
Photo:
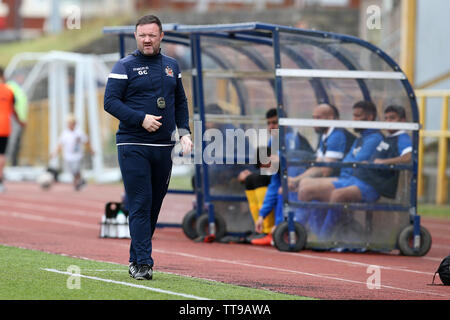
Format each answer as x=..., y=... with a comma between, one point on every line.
x=133, y=87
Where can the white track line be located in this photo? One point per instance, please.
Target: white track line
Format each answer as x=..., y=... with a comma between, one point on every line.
x=440, y=235
x=362, y=264
x=431, y=226
x=38, y=218
x=438, y=246
x=277, y=269
x=129, y=285
x=54, y=198
x=433, y=259
x=47, y=209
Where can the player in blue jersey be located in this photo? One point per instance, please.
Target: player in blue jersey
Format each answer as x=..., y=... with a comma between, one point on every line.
x=396, y=148
x=273, y=200
x=320, y=189
x=368, y=185
x=144, y=91
x=257, y=183
x=362, y=149
x=334, y=144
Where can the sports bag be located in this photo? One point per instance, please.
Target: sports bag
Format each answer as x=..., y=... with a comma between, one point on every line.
x=444, y=271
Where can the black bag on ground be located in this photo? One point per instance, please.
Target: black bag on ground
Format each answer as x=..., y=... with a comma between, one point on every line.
x=444, y=271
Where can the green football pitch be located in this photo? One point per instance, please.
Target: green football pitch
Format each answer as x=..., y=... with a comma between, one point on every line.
x=34, y=275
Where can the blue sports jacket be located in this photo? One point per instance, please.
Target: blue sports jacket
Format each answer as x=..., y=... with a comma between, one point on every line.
x=134, y=84
x=272, y=199
x=362, y=149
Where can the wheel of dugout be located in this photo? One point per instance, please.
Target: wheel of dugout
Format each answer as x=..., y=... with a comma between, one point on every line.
x=202, y=226
x=406, y=241
x=282, y=239
x=189, y=224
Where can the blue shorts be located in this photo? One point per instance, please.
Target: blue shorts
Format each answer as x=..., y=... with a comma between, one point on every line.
x=368, y=193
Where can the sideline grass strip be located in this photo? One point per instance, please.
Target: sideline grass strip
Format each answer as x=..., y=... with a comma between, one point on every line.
x=433, y=210
x=23, y=276
x=74, y=281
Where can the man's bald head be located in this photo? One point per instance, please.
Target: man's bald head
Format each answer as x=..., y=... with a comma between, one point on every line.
x=324, y=111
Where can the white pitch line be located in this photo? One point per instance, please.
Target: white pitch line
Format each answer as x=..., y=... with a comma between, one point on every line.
x=128, y=284
x=105, y=270
x=292, y=271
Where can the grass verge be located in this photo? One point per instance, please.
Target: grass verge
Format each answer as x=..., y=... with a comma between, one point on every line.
x=106, y=281
x=434, y=210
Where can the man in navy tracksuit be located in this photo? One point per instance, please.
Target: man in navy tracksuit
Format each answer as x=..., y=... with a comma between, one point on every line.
x=144, y=91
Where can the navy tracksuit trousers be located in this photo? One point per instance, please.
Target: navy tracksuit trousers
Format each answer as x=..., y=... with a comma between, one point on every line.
x=146, y=173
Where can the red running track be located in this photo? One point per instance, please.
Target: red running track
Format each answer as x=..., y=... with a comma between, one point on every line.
x=63, y=221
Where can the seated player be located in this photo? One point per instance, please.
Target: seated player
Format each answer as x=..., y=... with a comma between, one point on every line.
x=320, y=189
x=362, y=149
x=299, y=148
x=334, y=143
x=368, y=185
x=256, y=184
x=273, y=200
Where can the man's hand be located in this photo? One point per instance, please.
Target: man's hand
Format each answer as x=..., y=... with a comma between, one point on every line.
x=151, y=122
x=243, y=175
x=293, y=183
x=259, y=224
x=379, y=161
x=186, y=144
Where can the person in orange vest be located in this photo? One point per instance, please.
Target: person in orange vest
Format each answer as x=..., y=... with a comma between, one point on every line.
x=6, y=111
x=21, y=109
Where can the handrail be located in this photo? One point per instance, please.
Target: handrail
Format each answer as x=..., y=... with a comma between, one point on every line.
x=443, y=134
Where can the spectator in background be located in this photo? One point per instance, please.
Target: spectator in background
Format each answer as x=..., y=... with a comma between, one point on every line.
x=6, y=111
x=21, y=109
x=71, y=143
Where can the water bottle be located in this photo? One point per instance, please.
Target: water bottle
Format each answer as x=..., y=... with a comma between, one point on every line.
x=121, y=225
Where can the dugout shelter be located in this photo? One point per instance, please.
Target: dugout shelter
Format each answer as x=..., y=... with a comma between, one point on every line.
x=248, y=68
